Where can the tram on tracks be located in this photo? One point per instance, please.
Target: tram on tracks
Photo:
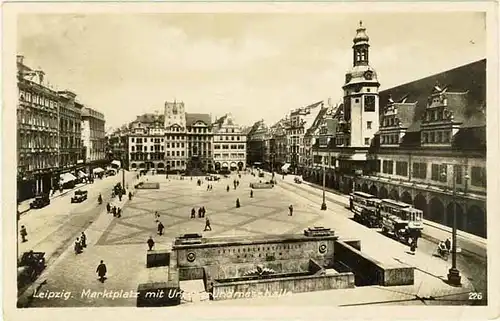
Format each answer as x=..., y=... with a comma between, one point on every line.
x=397, y=219
x=365, y=208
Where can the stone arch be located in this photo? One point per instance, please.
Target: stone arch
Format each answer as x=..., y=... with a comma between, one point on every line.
x=449, y=215
x=436, y=210
x=383, y=193
x=365, y=188
x=373, y=190
x=134, y=165
x=160, y=165
x=240, y=166
x=394, y=195
x=142, y=165
x=421, y=203
x=476, y=221
x=406, y=198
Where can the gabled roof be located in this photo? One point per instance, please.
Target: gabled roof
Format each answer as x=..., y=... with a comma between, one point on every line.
x=150, y=118
x=470, y=79
x=191, y=119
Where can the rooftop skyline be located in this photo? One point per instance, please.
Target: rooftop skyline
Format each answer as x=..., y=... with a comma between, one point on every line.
x=255, y=66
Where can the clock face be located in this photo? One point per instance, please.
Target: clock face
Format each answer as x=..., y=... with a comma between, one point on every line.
x=368, y=75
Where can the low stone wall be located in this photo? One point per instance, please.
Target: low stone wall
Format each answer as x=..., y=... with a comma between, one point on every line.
x=369, y=271
x=282, y=286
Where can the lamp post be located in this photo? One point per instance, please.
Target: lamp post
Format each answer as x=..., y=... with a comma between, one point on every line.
x=323, y=205
x=454, y=277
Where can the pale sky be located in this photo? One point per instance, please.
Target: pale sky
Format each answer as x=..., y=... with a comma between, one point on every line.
x=256, y=66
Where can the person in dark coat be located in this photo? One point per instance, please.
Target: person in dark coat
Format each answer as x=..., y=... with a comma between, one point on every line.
x=193, y=213
x=203, y=211
x=129, y=196
x=83, y=240
x=151, y=243
x=114, y=210
x=101, y=271
x=78, y=246
x=200, y=212
x=23, y=233
x=160, y=228
x=251, y=193
x=237, y=203
x=290, y=208
x=119, y=212
x=227, y=188
x=108, y=208
x=207, y=225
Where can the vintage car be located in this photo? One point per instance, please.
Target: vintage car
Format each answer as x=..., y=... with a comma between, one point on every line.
x=29, y=267
x=79, y=197
x=297, y=180
x=40, y=201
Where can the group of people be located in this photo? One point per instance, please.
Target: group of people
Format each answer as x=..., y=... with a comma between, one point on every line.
x=80, y=243
x=117, y=212
x=201, y=212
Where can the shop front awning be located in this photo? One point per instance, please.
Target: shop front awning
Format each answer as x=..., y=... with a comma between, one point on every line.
x=82, y=174
x=98, y=170
x=285, y=167
x=66, y=178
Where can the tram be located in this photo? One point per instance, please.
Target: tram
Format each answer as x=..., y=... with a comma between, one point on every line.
x=401, y=220
x=365, y=208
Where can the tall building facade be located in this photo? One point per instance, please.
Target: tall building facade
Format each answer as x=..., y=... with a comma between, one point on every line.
x=258, y=144
x=37, y=132
x=176, y=147
x=423, y=143
x=70, y=132
x=229, y=145
x=93, y=135
x=117, y=146
x=188, y=140
x=146, y=140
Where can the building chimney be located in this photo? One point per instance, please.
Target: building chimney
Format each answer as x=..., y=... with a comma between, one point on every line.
x=20, y=59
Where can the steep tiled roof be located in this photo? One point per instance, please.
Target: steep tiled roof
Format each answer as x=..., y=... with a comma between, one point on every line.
x=470, y=79
x=317, y=121
x=150, y=118
x=193, y=118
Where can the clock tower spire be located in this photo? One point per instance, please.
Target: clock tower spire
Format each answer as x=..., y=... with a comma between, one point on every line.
x=361, y=101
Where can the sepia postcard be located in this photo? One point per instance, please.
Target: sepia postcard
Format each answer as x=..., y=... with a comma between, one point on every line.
x=250, y=160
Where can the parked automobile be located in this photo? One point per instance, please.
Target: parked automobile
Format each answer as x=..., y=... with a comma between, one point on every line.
x=40, y=201
x=79, y=197
x=297, y=180
x=29, y=267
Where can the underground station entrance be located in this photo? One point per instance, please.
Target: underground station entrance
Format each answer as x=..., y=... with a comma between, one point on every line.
x=225, y=268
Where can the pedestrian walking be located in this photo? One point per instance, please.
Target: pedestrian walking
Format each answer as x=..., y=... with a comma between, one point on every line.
x=119, y=212
x=129, y=196
x=193, y=213
x=160, y=228
x=114, y=210
x=208, y=187
x=290, y=208
x=203, y=211
x=227, y=188
x=237, y=203
x=207, y=225
x=151, y=243
x=101, y=271
x=83, y=240
x=251, y=193
x=23, y=233
x=108, y=208
x=78, y=246
x=200, y=212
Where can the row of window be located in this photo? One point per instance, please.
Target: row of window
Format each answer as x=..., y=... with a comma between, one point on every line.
x=235, y=155
x=436, y=137
x=439, y=172
x=37, y=99
x=38, y=162
x=391, y=139
x=37, y=119
x=435, y=114
x=240, y=146
x=221, y=138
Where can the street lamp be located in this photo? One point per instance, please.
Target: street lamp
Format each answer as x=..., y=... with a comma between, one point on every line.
x=323, y=205
x=454, y=277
